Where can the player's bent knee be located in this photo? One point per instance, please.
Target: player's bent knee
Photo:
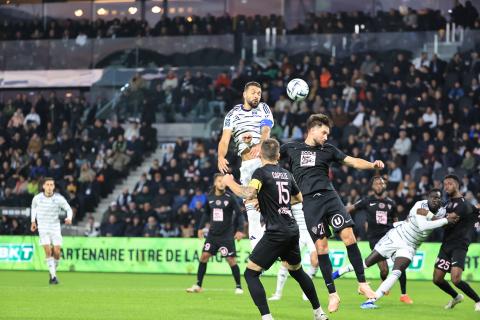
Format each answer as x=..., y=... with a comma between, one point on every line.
x=253, y=266
x=347, y=236
x=293, y=267
x=231, y=261
x=204, y=257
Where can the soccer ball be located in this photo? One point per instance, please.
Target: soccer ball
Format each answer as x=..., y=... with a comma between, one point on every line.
x=297, y=89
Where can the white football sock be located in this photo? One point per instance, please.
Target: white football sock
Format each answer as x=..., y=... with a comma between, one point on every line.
x=51, y=267
x=267, y=317
x=388, y=283
x=281, y=279
x=311, y=271
x=346, y=269
x=56, y=264
x=255, y=230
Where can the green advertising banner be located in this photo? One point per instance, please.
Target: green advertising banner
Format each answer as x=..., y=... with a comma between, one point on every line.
x=178, y=255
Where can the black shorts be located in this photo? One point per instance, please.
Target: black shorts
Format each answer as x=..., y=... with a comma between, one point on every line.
x=451, y=256
x=324, y=209
x=271, y=247
x=226, y=246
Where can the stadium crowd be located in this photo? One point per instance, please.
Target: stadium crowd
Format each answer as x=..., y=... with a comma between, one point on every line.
x=420, y=116
x=60, y=138
x=405, y=19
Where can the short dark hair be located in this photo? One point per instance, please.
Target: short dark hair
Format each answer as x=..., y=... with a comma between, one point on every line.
x=372, y=180
x=434, y=190
x=252, y=84
x=270, y=149
x=318, y=119
x=452, y=176
x=216, y=175
x=47, y=179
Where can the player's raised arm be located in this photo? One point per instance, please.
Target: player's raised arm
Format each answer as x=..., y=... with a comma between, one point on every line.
x=361, y=164
x=265, y=129
x=246, y=192
x=223, y=149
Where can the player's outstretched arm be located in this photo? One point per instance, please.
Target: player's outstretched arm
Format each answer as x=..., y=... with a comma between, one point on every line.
x=222, y=151
x=245, y=192
x=361, y=164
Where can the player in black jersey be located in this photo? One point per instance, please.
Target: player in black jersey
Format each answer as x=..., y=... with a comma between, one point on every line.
x=310, y=163
x=226, y=225
x=276, y=190
x=456, y=239
x=381, y=214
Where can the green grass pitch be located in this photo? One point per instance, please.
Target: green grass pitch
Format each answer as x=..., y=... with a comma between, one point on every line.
x=27, y=295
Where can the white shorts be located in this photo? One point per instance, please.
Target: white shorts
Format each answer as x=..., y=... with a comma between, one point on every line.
x=247, y=168
x=392, y=246
x=306, y=241
x=50, y=238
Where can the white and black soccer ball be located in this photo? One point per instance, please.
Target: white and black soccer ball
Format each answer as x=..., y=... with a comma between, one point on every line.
x=297, y=89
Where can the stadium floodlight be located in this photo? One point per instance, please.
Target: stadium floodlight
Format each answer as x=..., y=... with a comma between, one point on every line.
x=78, y=13
x=132, y=10
x=156, y=9
x=102, y=12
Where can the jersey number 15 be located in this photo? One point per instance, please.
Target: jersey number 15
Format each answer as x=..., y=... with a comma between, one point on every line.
x=283, y=192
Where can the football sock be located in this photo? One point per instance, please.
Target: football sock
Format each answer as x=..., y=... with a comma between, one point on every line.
x=56, y=264
x=51, y=267
x=236, y=275
x=346, y=269
x=202, y=269
x=355, y=258
x=256, y=290
x=255, y=231
x=465, y=287
x=403, y=282
x=388, y=283
x=307, y=286
x=311, y=271
x=281, y=279
x=326, y=268
x=446, y=287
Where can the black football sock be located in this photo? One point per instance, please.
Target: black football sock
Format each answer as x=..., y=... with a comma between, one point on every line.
x=326, y=268
x=465, y=287
x=202, y=268
x=256, y=290
x=403, y=282
x=236, y=275
x=446, y=287
x=355, y=258
x=307, y=286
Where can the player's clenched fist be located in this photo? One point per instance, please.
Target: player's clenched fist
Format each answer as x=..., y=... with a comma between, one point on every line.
x=378, y=164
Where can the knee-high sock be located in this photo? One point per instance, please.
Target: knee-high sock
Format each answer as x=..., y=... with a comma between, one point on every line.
x=388, y=283
x=356, y=260
x=202, y=269
x=51, y=267
x=326, y=268
x=282, y=276
x=236, y=275
x=256, y=290
x=446, y=287
x=403, y=282
x=307, y=286
x=56, y=263
x=312, y=271
x=255, y=230
x=465, y=287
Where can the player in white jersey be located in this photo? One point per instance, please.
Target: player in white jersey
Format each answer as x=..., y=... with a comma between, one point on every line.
x=401, y=242
x=249, y=124
x=46, y=208
x=305, y=241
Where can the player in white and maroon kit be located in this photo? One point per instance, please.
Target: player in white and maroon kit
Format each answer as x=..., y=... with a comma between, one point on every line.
x=46, y=209
x=401, y=242
x=249, y=124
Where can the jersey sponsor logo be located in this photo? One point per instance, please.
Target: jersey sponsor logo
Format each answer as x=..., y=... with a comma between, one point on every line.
x=16, y=252
x=337, y=221
x=218, y=214
x=381, y=217
x=284, y=210
x=307, y=159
